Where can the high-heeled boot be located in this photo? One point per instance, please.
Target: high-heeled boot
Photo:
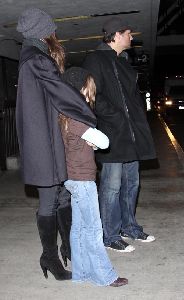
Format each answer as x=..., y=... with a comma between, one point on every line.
x=49, y=259
x=64, y=219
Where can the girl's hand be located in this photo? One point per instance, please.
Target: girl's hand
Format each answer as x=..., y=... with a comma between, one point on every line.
x=92, y=145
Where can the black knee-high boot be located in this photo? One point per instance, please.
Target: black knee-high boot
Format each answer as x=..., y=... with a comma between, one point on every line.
x=49, y=259
x=64, y=219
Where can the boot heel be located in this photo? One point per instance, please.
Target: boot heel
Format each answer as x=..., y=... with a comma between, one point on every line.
x=44, y=269
x=64, y=257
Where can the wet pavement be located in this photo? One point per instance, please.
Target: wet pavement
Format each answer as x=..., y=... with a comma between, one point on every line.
x=155, y=270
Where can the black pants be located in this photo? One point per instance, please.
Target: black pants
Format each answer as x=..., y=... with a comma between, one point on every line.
x=52, y=198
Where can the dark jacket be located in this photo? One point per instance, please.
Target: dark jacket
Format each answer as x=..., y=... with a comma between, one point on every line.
x=119, y=108
x=79, y=155
x=41, y=96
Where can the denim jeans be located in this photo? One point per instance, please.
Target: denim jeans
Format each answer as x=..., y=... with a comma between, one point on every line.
x=90, y=261
x=119, y=184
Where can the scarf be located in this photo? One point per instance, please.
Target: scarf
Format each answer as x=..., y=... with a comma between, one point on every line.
x=36, y=43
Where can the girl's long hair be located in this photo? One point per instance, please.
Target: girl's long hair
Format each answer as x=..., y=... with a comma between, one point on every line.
x=56, y=51
x=89, y=92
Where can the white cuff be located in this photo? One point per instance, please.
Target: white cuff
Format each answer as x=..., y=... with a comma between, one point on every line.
x=96, y=137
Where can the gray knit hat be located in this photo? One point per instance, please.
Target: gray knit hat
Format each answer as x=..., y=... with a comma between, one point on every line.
x=35, y=23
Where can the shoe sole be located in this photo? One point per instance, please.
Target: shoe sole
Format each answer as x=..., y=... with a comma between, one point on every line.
x=126, y=238
x=128, y=249
x=145, y=241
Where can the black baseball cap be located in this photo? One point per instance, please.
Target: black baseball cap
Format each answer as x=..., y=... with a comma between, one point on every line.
x=115, y=24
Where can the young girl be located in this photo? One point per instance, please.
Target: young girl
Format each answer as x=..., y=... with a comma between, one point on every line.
x=90, y=261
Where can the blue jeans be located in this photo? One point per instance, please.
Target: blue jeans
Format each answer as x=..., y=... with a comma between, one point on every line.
x=90, y=261
x=119, y=185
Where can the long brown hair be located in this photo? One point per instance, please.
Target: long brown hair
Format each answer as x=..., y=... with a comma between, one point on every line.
x=56, y=51
x=89, y=92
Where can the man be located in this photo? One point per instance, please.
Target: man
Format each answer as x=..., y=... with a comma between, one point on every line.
x=120, y=114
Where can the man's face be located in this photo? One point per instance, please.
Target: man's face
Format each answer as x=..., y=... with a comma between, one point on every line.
x=124, y=39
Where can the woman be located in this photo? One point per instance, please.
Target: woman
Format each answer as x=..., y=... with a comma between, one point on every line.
x=41, y=96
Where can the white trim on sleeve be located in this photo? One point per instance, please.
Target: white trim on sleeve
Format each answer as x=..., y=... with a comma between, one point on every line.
x=96, y=137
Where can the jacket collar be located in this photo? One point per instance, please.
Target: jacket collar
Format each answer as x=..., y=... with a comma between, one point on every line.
x=112, y=52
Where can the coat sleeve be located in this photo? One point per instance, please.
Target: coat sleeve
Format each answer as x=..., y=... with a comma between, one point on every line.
x=103, y=106
x=63, y=97
x=92, y=64
x=91, y=135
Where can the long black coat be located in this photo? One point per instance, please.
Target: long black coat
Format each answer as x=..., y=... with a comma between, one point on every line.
x=119, y=108
x=41, y=96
